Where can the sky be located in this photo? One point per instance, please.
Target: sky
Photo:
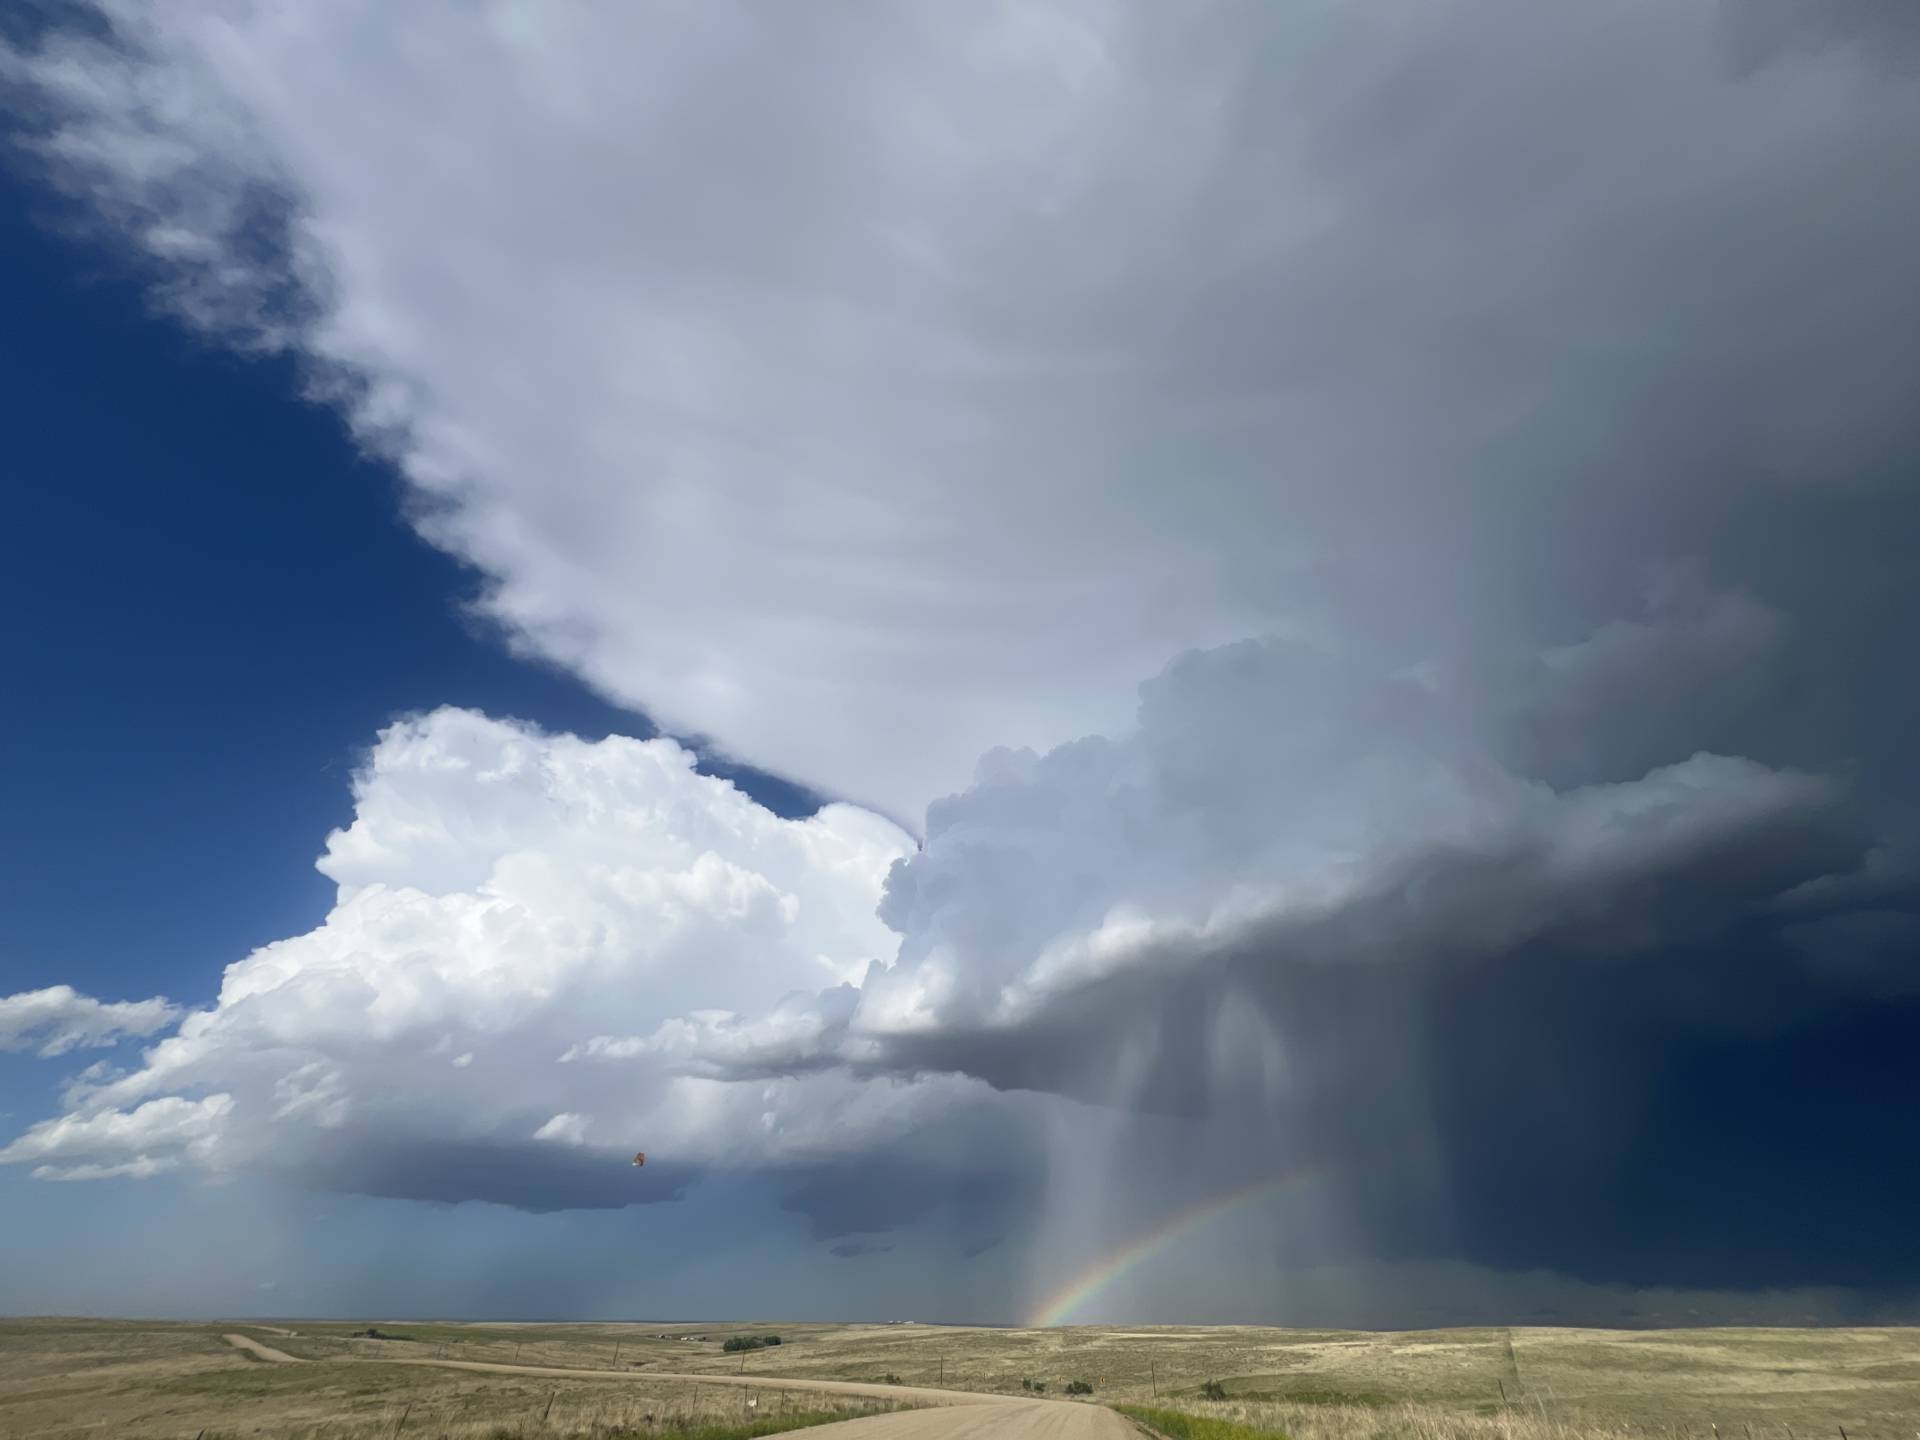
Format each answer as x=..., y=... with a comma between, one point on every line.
x=1086, y=661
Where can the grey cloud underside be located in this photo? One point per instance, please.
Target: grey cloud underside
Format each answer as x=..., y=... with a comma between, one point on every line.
x=527, y=1176
x=853, y=1249
x=1561, y=1043
x=965, y=1182
x=1673, y=1100
x=968, y=1176
x=1882, y=32
x=885, y=1192
x=1532, y=1027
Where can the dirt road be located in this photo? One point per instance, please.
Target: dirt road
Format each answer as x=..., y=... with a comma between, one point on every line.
x=998, y=1418
x=1022, y=1419
x=262, y=1352
x=951, y=1414
x=906, y=1394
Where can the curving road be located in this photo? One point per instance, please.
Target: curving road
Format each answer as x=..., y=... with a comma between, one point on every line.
x=951, y=1414
x=1026, y=1419
x=261, y=1351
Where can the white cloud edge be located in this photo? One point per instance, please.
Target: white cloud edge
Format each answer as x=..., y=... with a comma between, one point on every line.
x=59, y=1019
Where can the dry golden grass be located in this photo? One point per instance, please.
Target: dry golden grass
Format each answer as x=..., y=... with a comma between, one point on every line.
x=1651, y=1381
x=668, y=1412
x=1233, y=1420
x=1574, y=1385
x=668, y=1416
x=62, y=1378
x=1205, y=1420
x=65, y=1378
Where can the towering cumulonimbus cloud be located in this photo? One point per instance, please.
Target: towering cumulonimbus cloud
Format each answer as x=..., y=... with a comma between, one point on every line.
x=1299, y=917
x=1487, y=424
x=1312, y=917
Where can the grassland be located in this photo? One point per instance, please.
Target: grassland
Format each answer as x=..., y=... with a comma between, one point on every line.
x=72, y=1378
x=61, y=1378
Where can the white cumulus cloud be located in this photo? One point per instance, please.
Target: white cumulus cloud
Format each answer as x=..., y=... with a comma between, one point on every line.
x=58, y=1018
x=504, y=896
x=150, y=1138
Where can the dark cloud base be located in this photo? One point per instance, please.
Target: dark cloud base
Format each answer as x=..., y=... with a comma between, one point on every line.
x=532, y=1177
x=973, y=1207
x=1710, y=1118
x=1604, y=1122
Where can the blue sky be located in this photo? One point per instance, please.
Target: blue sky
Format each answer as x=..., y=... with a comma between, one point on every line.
x=1348, y=640
x=212, y=607
x=216, y=607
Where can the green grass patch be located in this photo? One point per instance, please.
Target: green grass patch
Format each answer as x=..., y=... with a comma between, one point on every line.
x=1290, y=1391
x=1178, y=1425
x=1312, y=1395
x=747, y=1430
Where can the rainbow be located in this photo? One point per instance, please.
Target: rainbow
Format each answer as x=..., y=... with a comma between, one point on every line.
x=1055, y=1308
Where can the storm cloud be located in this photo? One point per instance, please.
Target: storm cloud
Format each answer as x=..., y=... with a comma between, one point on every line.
x=1367, y=550
x=1534, y=1028
x=864, y=392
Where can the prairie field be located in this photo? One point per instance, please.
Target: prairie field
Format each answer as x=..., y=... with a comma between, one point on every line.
x=63, y=1378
